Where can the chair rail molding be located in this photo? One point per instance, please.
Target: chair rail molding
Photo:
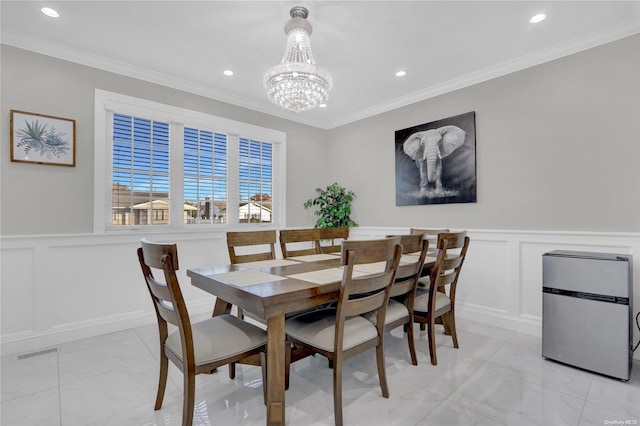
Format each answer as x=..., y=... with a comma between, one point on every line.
x=53, y=286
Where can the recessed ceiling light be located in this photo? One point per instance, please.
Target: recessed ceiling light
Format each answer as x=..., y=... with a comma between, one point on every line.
x=322, y=105
x=49, y=12
x=537, y=18
x=401, y=73
x=228, y=72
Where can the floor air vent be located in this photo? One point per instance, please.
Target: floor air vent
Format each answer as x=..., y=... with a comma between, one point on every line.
x=37, y=353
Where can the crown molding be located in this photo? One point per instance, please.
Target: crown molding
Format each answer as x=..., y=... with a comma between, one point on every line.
x=613, y=33
x=631, y=27
x=103, y=63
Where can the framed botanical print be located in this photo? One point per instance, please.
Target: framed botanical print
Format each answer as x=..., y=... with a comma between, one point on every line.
x=42, y=139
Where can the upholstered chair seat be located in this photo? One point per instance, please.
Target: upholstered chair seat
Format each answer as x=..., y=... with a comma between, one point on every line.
x=318, y=329
x=424, y=282
x=395, y=311
x=421, y=303
x=218, y=338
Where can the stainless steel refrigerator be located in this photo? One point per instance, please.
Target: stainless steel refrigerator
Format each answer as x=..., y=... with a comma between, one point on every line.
x=587, y=311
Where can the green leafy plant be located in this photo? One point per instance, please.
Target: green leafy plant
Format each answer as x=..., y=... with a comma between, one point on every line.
x=333, y=205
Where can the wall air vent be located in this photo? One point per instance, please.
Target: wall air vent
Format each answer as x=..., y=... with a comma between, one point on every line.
x=42, y=352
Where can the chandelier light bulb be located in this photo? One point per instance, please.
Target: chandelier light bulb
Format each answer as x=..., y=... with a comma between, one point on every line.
x=297, y=83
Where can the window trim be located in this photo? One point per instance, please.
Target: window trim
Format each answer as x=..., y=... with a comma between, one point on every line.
x=107, y=103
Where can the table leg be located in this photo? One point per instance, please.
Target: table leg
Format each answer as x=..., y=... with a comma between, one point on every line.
x=221, y=307
x=275, y=370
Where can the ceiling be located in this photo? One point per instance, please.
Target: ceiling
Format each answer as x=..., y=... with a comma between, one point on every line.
x=442, y=45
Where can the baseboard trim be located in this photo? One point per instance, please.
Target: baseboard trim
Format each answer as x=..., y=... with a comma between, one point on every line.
x=34, y=340
x=522, y=324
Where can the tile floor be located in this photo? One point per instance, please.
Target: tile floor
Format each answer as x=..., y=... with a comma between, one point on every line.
x=497, y=377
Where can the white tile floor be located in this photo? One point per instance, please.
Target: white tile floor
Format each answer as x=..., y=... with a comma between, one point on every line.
x=497, y=377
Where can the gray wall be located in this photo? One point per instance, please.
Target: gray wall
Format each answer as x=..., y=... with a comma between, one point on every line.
x=43, y=199
x=557, y=145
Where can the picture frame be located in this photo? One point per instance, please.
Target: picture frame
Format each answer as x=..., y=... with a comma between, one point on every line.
x=42, y=139
x=436, y=162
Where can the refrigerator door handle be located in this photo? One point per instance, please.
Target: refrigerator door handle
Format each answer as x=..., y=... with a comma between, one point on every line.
x=587, y=296
x=597, y=297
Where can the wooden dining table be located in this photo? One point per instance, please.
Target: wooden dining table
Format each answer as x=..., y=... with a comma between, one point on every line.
x=270, y=290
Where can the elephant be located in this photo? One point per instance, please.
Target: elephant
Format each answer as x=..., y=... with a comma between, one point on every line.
x=428, y=148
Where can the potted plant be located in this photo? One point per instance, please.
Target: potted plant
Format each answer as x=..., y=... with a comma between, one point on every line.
x=333, y=205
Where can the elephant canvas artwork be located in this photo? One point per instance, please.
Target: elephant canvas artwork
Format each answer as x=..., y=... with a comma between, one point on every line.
x=436, y=162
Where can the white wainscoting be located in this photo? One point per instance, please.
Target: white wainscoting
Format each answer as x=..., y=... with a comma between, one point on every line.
x=61, y=288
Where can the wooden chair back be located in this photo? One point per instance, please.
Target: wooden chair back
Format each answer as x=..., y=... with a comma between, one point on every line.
x=264, y=240
x=360, y=295
x=335, y=237
x=432, y=233
x=456, y=241
x=166, y=294
x=408, y=273
x=294, y=237
x=447, y=268
x=453, y=246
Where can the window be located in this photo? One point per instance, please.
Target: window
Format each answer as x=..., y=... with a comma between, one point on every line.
x=140, y=178
x=256, y=184
x=166, y=167
x=205, y=176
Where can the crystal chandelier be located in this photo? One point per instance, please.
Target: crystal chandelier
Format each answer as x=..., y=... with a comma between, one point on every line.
x=297, y=83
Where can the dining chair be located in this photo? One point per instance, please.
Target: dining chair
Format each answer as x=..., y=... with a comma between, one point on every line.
x=261, y=243
x=341, y=333
x=432, y=236
x=198, y=347
x=335, y=237
x=254, y=246
x=296, y=238
x=436, y=301
x=401, y=301
x=455, y=245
